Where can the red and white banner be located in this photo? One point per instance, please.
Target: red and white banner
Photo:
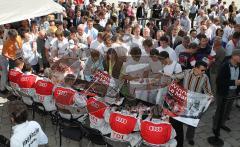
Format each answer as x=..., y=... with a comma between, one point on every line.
x=184, y=105
x=102, y=77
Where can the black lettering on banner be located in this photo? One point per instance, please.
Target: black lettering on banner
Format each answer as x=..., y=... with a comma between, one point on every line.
x=32, y=142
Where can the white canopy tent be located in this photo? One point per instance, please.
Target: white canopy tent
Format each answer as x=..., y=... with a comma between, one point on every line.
x=17, y=10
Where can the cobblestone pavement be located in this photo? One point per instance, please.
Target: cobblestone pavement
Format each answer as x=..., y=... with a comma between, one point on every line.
x=203, y=131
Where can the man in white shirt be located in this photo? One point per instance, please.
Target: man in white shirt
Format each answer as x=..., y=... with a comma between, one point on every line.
x=81, y=35
x=103, y=20
x=202, y=16
x=213, y=26
x=203, y=29
x=154, y=63
x=238, y=18
x=146, y=33
x=164, y=41
x=193, y=12
x=224, y=15
x=30, y=53
x=185, y=22
x=213, y=2
x=183, y=46
x=49, y=43
x=90, y=30
x=98, y=43
x=60, y=46
x=147, y=46
x=137, y=38
x=193, y=36
x=86, y=3
x=170, y=67
x=227, y=32
x=25, y=133
x=232, y=44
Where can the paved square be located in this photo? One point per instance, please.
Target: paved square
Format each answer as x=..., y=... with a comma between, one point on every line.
x=203, y=131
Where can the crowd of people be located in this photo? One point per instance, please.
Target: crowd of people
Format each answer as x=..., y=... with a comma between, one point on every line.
x=187, y=41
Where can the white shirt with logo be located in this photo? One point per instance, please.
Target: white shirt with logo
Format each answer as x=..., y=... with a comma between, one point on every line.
x=28, y=134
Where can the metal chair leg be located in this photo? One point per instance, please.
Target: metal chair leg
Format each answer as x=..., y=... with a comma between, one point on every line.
x=60, y=136
x=33, y=111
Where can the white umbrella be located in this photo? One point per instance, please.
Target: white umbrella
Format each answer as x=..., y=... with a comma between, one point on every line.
x=17, y=10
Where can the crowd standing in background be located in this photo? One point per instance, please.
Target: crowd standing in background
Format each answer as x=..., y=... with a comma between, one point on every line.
x=187, y=40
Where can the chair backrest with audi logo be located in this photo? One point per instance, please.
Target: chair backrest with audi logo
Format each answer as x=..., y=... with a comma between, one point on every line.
x=65, y=99
x=43, y=94
x=26, y=83
x=64, y=96
x=96, y=111
x=156, y=133
x=13, y=78
x=121, y=125
x=96, y=107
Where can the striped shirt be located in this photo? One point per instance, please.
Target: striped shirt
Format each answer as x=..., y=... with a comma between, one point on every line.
x=195, y=83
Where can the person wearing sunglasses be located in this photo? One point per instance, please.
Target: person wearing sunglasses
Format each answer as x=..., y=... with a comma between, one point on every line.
x=197, y=81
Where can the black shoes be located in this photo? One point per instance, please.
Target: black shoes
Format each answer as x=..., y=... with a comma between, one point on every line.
x=225, y=128
x=191, y=142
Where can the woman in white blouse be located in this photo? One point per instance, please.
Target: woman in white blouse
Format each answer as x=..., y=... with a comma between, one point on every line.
x=30, y=54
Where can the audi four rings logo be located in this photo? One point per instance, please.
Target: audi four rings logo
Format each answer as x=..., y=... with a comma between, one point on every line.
x=13, y=73
x=155, y=129
x=24, y=79
x=42, y=84
x=121, y=120
x=60, y=92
